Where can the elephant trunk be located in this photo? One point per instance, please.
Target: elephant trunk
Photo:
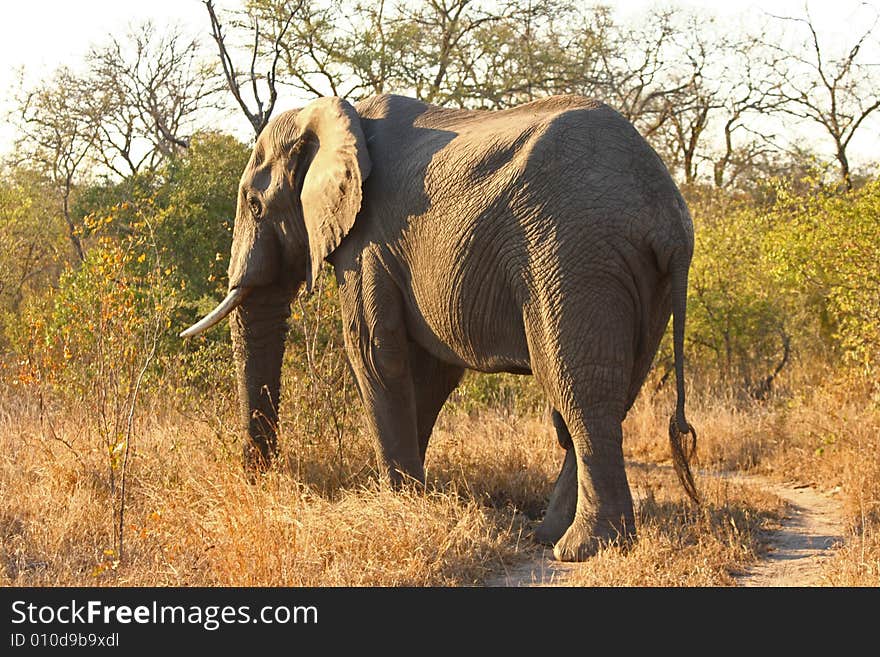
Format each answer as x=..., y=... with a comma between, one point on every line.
x=259, y=327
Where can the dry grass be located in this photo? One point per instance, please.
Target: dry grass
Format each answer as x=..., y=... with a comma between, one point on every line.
x=679, y=545
x=191, y=519
x=827, y=437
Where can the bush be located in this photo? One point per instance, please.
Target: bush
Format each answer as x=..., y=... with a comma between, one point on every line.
x=33, y=241
x=95, y=341
x=796, y=276
x=825, y=250
x=510, y=393
x=739, y=323
x=321, y=411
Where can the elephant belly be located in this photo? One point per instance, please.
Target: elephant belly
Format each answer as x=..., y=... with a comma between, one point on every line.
x=472, y=325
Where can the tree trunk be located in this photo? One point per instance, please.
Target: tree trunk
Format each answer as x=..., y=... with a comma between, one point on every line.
x=71, y=229
x=845, y=175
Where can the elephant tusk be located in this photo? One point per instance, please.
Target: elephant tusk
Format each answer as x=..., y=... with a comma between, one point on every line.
x=230, y=303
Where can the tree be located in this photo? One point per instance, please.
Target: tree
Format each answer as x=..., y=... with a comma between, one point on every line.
x=199, y=198
x=332, y=49
x=265, y=50
x=32, y=237
x=746, y=96
x=704, y=99
x=739, y=320
x=430, y=50
x=192, y=201
x=148, y=90
x=635, y=75
x=56, y=137
x=695, y=52
x=530, y=51
x=836, y=93
x=431, y=68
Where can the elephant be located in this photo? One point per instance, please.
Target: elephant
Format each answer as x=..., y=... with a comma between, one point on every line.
x=545, y=239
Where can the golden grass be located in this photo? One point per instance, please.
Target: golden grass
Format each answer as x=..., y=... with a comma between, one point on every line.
x=192, y=519
x=827, y=437
x=680, y=545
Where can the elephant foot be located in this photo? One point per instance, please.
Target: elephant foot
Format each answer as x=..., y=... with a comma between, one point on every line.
x=406, y=477
x=583, y=539
x=551, y=530
x=257, y=460
x=563, y=503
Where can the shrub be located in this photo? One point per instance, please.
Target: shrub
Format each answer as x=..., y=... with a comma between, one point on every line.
x=92, y=341
x=825, y=250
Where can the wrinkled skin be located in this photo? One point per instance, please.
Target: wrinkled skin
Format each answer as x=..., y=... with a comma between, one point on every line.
x=546, y=239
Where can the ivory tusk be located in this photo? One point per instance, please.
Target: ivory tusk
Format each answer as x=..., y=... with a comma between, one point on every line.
x=230, y=303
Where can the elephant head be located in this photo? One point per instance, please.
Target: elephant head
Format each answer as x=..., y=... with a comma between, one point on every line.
x=297, y=199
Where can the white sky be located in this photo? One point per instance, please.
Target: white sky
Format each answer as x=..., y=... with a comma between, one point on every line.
x=43, y=34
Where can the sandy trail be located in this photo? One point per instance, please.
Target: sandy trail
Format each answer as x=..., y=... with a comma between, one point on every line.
x=541, y=570
x=811, y=530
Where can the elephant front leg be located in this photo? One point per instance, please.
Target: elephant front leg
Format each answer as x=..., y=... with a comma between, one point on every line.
x=390, y=413
x=379, y=357
x=433, y=381
x=563, y=501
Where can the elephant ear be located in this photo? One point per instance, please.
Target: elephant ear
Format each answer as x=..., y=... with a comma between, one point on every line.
x=332, y=187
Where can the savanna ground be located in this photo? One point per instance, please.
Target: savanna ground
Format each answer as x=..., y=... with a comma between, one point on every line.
x=321, y=519
x=120, y=448
x=119, y=443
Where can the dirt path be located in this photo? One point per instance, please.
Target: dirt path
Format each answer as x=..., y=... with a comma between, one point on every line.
x=540, y=570
x=811, y=530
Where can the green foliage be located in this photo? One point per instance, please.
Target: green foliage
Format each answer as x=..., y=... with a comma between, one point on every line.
x=195, y=200
x=798, y=271
x=108, y=195
x=105, y=316
x=94, y=342
x=33, y=244
x=320, y=397
x=157, y=247
x=825, y=250
x=511, y=393
x=191, y=204
x=199, y=196
x=739, y=321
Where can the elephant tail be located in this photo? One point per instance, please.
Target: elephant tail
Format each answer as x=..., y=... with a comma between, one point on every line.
x=682, y=436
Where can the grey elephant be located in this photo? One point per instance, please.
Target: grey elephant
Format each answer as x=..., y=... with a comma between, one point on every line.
x=546, y=239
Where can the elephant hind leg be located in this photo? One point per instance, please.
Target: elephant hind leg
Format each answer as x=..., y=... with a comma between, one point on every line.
x=586, y=351
x=604, y=509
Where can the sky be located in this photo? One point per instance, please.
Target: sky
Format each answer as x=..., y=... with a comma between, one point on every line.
x=40, y=35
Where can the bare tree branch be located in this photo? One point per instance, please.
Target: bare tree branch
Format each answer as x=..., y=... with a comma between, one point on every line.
x=259, y=116
x=837, y=95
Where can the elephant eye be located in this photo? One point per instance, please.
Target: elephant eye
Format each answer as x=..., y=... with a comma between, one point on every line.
x=256, y=207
